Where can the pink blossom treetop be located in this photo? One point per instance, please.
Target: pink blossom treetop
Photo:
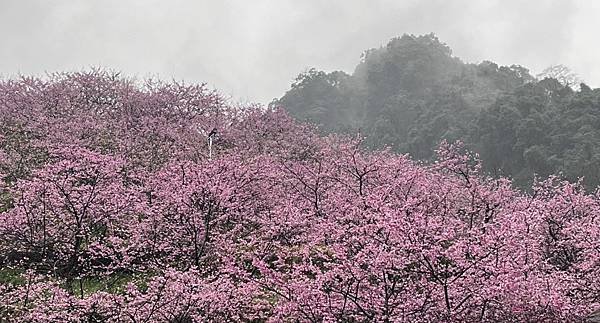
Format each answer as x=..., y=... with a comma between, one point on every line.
x=111, y=211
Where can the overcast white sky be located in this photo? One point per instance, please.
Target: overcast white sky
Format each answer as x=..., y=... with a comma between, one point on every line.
x=252, y=50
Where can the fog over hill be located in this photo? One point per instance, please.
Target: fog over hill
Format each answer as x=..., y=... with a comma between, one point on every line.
x=412, y=93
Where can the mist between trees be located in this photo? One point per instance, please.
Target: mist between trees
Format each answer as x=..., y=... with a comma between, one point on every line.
x=412, y=93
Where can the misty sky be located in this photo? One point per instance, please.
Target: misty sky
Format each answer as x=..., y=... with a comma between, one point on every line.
x=252, y=50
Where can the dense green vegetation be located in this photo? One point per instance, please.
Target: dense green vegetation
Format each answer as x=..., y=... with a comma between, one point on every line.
x=412, y=93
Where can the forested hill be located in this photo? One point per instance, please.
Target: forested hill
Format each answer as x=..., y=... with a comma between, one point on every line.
x=413, y=93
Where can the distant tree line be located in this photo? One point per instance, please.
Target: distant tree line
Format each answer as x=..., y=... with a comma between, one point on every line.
x=413, y=93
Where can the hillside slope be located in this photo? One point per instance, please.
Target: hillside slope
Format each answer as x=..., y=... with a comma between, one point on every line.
x=412, y=93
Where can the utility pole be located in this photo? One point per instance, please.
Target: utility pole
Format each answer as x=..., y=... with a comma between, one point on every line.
x=211, y=134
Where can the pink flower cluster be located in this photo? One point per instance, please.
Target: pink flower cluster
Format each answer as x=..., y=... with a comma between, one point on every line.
x=112, y=211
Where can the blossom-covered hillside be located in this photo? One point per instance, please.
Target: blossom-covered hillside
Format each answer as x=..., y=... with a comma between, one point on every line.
x=112, y=211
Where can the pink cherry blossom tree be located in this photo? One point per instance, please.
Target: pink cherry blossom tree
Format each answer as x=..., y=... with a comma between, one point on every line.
x=106, y=179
